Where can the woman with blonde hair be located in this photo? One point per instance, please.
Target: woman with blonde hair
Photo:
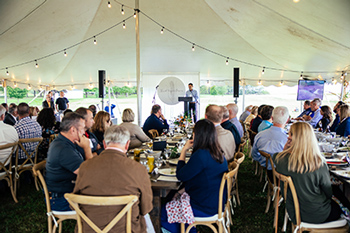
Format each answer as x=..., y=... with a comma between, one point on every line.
x=301, y=159
x=344, y=125
x=137, y=136
x=252, y=115
x=102, y=123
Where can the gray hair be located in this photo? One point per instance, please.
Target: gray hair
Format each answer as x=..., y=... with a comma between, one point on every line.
x=225, y=112
x=280, y=115
x=249, y=108
x=318, y=101
x=12, y=108
x=233, y=108
x=117, y=134
x=2, y=110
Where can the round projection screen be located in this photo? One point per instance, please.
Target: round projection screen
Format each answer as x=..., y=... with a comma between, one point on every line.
x=170, y=89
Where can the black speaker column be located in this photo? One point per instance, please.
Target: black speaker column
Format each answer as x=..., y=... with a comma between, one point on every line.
x=101, y=83
x=235, y=82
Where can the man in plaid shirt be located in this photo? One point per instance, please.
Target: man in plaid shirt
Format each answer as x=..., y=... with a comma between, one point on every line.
x=26, y=128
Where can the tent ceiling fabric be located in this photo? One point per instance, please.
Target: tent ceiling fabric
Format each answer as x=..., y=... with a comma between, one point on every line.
x=311, y=35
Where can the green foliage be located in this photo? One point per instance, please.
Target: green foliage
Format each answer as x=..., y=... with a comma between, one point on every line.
x=204, y=89
x=250, y=90
x=213, y=90
x=17, y=92
x=222, y=90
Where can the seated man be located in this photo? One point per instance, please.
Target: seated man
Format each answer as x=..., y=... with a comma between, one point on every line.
x=315, y=115
x=89, y=122
x=266, y=116
x=246, y=113
x=307, y=109
x=233, y=110
x=271, y=140
x=11, y=116
x=336, y=121
x=8, y=134
x=254, y=125
x=26, y=128
x=125, y=177
x=155, y=121
x=227, y=124
x=63, y=160
x=227, y=142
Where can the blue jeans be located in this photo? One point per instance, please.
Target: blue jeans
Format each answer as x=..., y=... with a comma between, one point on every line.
x=59, y=204
x=176, y=227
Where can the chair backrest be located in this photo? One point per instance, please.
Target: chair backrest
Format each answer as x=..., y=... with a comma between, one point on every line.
x=76, y=199
x=269, y=159
x=37, y=172
x=288, y=182
x=239, y=157
x=227, y=179
x=33, y=154
x=241, y=145
x=252, y=135
x=9, y=157
x=153, y=132
x=52, y=137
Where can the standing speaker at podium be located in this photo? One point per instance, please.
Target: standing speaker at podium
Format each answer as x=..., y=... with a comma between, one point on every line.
x=192, y=111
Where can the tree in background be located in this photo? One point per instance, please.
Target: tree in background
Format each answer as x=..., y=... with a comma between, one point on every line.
x=222, y=90
x=17, y=92
x=204, y=89
x=213, y=90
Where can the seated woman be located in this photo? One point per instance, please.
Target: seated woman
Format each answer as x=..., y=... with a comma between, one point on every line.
x=102, y=123
x=137, y=136
x=202, y=174
x=252, y=115
x=47, y=121
x=344, y=126
x=266, y=116
x=301, y=159
x=33, y=112
x=326, y=112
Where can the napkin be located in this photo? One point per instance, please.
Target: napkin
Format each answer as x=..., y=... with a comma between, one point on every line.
x=168, y=178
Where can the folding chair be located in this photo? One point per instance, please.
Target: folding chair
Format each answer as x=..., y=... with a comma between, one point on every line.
x=6, y=173
x=338, y=226
x=75, y=199
x=30, y=161
x=56, y=216
x=219, y=218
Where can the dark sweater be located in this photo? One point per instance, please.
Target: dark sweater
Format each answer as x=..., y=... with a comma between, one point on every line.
x=202, y=178
x=255, y=124
x=153, y=122
x=335, y=123
x=344, y=128
x=231, y=127
x=314, y=192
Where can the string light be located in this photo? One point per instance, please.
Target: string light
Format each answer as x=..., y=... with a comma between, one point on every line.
x=259, y=82
x=263, y=71
x=7, y=71
x=193, y=47
x=109, y=4
x=15, y=84
x=135, y=14
x=108, y=82
x=281, y=83
x=36, y=64
x=124, y=26
x=29, y=86
x=122, y=10
x=227, y=60
x=91, y=86
x=53, y=86
x=301, y=75
x=342, y=75
x=65, y=53
x=334, y=81
x=72, y=86
x=162, y=30
x=95, y=41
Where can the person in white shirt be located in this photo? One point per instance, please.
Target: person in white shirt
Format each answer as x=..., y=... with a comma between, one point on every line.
x=8, y=134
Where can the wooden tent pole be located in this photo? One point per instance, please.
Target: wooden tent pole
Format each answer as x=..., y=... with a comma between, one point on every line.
x=138, y=75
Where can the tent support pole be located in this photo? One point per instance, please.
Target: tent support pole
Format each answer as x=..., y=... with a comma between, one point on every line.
x=109, y=101
x=138, y=75
x=243, y=99
x=5, y=90
x=36, y=96
x=342, y=89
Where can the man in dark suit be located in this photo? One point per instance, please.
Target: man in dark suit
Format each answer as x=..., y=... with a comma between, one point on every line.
x=11, y=116
x=48, y=103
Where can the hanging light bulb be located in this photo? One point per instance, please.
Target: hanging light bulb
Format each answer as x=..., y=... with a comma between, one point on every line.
x=124, y=26
x=36, y=64
x=162, y=30
x=122, y=10
x=90, y=85
x=7, y=71
x=29, y=86
x=108, y=82
x=259, y=82
x=53, y=86
x=109, y=4
x=334, y=81
x=263, y=71
x=301, y=75
x=72, y=86
x=65, y=53
x=342, y=75
x=281, y=83
x=135, y=14
x=192, y=47
x=227, y=60
x=15, y=84
x=95, y=41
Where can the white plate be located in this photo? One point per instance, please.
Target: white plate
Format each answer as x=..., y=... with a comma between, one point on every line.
x=345, y=174
x=175, y=161
x=167, y=171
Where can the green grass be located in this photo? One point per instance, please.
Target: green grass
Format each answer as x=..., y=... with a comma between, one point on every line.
x=29, y=214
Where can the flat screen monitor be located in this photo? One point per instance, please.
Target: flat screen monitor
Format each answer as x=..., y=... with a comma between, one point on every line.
x=310, y=89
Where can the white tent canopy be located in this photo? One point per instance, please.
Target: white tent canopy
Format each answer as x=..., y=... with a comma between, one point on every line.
x=286, y=38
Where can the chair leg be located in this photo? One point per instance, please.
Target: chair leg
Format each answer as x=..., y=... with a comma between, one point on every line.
x=268, y=199
x=49, y=224
x=182, y=227
x=36, y=183
x=237, y=195
x=60, y=227
x=261, y=172
x=10, y=183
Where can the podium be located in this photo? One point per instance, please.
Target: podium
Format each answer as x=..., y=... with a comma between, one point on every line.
x=186, y=101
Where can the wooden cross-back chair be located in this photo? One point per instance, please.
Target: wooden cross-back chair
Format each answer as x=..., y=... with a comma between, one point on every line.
x=242, y=145
x=338, y=226
x=6, y=166
x=52, y=216
x=154, y=133
x=30, y=160
x=238, y=158
x=76, y=199
x=219, y=219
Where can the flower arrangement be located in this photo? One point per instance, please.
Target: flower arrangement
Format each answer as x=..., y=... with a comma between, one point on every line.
x=181, y=120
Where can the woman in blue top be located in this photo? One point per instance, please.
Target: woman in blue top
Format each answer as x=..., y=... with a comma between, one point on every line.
x=344, y=126
x=326, y=113
x=202, y=174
